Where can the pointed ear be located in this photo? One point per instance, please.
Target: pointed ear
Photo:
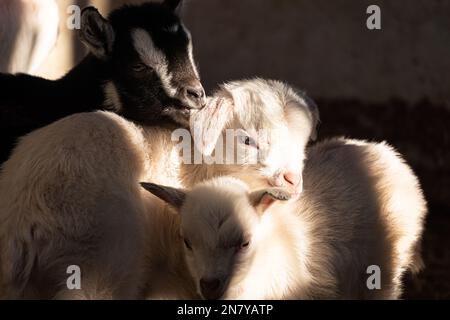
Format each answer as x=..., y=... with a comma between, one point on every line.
x=208, y=123
x=172, y=196
x=263, y=199
x=315, y=116
x=173, y=5
x=304, y=102
x=96, y=33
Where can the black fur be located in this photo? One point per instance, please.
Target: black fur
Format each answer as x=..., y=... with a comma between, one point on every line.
x=28, y=102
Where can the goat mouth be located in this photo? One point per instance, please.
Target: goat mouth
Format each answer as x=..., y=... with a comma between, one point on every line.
x=179, y=111
x=183, y=108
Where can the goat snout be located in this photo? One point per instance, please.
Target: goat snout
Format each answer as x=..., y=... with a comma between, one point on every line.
x=293, y=182
x=194, y=95
x=211, y=288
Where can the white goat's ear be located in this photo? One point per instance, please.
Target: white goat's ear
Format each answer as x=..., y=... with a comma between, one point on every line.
x=96, y=33
x=173, y=5
x=208, y=123
x=174, y=197
x=263, y=199
x=304, y=102
x=315, y=116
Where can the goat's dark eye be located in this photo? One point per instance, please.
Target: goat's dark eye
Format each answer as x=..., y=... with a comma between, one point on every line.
x=139, y=67
x=172, y=29
x=249, y=141
x=187, y=243
x=244, y=245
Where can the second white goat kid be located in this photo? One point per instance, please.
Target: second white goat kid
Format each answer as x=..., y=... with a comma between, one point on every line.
x=362, y=209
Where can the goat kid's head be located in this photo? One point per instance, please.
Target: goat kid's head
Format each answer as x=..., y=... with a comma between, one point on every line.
x=222, y=225
x=272, y=123
x=147, y=52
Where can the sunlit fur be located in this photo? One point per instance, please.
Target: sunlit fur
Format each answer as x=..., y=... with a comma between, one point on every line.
x=362, y=205
x=70, y=194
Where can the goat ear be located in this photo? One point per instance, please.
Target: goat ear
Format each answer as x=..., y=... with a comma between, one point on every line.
x=173, y=5
x=172, y=196
x=208, y=123
x=263, y=199
x=96, y=33
x=315, y=117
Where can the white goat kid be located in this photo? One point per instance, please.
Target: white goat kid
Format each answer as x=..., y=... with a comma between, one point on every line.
x=362, y=206
x=272, y=125
x=70, y=195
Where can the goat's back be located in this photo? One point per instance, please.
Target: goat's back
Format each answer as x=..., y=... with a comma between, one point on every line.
x=69, y=191
x=365, y=207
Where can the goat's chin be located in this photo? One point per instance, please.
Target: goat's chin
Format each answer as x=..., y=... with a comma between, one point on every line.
x=294, y=193
x=295, y=196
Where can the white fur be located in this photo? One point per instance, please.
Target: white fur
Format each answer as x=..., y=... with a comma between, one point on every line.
x=362, y=206
x=191, y=50
x=28, y=31
x=70, y=194
x=154, y=58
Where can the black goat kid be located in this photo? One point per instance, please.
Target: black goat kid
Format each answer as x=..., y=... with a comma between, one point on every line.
x=140, y=65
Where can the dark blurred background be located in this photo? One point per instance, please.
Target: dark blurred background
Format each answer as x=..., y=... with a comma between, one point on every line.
x=391, y=84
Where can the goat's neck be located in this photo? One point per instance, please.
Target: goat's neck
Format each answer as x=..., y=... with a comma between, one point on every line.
x=45, y=101
x=163, y=162
x=195, y=173
x=86, y=82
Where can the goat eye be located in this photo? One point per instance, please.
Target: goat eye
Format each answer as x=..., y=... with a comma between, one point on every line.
x=172, y=29
x=248, y=141
x=244, y=245
x=139, y=67
x=187, y=243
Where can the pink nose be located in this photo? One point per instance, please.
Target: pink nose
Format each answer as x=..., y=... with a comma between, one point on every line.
x=294, y=180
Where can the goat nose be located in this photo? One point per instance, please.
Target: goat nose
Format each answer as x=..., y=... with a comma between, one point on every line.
x=196, y=94
x=294, y=180
x=211, y=288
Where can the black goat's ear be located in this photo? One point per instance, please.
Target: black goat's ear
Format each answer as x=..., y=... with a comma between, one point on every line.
x=173, y=5
x=96, y=33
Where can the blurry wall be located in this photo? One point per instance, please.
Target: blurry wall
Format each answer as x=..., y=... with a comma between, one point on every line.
x=322, y=46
